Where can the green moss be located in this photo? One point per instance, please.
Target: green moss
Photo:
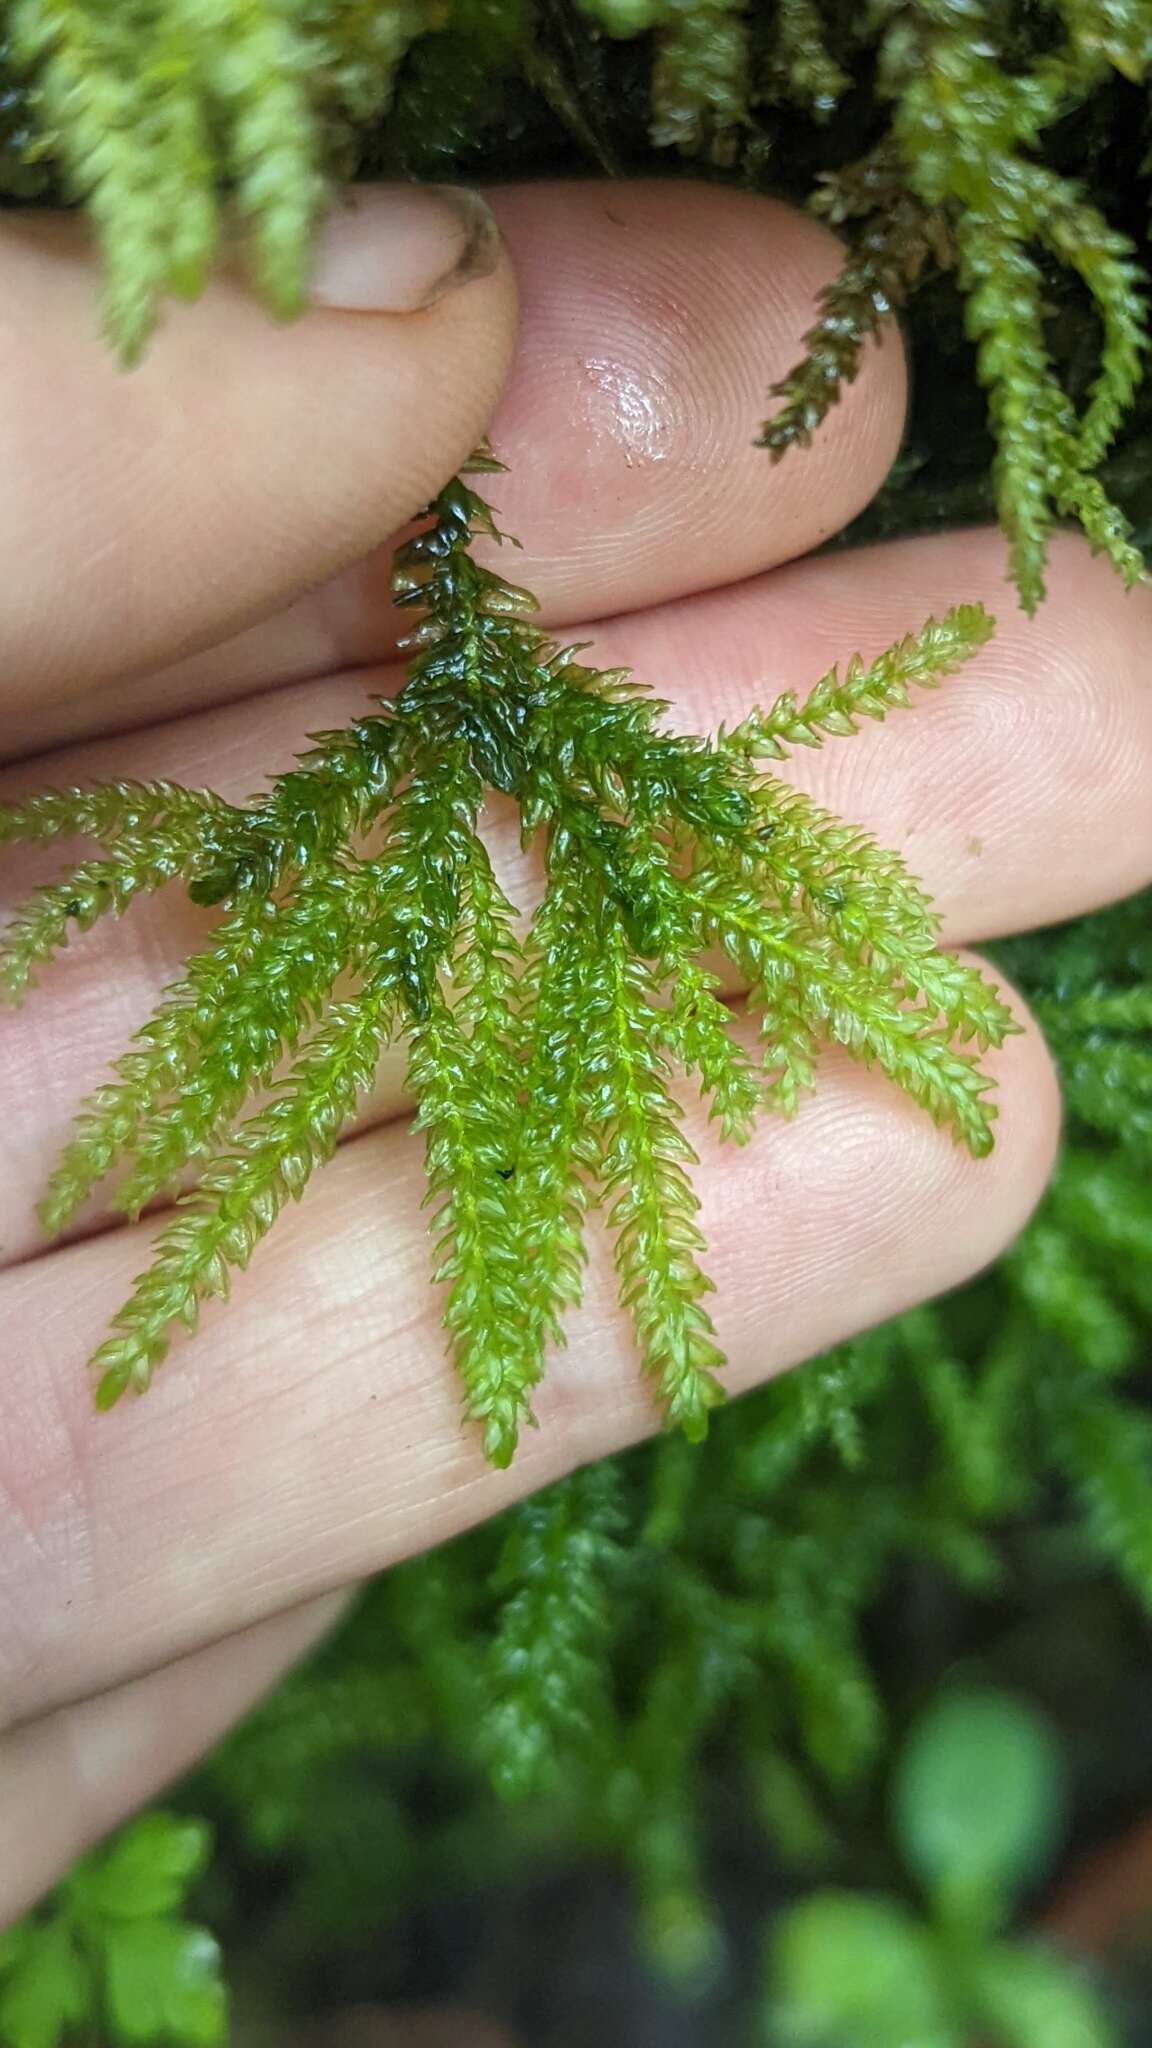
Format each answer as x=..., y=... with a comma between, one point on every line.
x=544, y=1086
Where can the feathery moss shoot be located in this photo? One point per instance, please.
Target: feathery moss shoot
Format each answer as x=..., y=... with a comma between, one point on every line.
x=544, y=1055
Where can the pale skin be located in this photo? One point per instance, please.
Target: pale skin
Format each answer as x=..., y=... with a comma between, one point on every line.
x=195, y=575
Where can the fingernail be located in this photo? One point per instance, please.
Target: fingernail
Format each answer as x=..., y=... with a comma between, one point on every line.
x=399, y=248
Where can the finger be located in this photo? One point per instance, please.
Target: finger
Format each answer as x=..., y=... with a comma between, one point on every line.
x=71, y=1775
x=1018, y=792
x=312, y=1433
x=628, y=428
x=144, y=516
x=662, y=314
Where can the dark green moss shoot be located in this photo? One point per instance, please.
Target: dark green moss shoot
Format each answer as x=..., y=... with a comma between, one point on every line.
x=544, y=1063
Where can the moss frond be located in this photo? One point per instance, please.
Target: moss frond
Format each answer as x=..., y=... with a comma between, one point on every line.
x=700, y=76
x=544, y=1668
x=642, y=1178
x=111, y=812
x=240, y=1194
x=834, y=705
x=1106, y=1453
x=1071, y=1302
x=120, y=86
x=696, y=1030
x=1109, y=32
x=1081, y=237
x=967, y=126
x=290, y=968
x=893, y=239
x=1042, y=453
x=471, y=1165
x=152, y=833
x=802, y=67
x=1005, y=315
x=158, y=103
x=546, y=1064
x=355, y=51
x=255, y=61
x=849, y=955
x=93, y=889
x=166, y=1048
x=557, y=1145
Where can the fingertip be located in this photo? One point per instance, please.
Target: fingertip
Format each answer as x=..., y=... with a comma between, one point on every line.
x=656, y=318
x=145, y=516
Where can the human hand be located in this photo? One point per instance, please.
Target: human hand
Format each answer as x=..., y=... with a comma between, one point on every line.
x=196, y=579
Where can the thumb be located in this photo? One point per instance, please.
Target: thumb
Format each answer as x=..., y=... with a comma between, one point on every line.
x=144, y=515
